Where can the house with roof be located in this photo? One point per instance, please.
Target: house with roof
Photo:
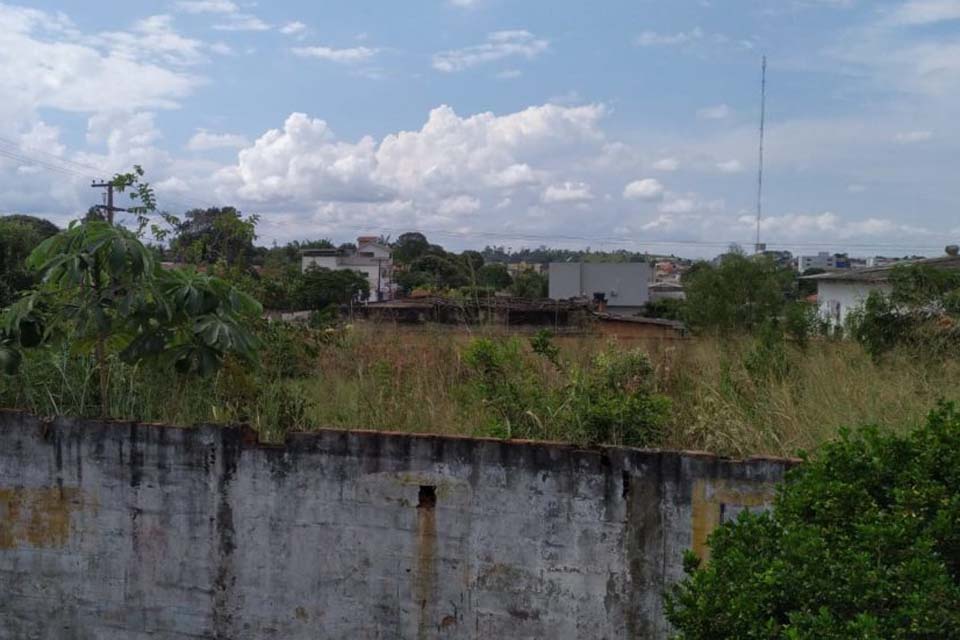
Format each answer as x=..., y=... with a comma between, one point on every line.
x=372, y=259
x=840, y=292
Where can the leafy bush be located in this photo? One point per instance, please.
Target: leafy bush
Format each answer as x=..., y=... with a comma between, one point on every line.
x=863, y=542
x=667, y=309
x=612, y=400
x=737, y=294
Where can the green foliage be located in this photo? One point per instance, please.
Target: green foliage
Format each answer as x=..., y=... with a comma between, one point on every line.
x=863, y=542
x=19, y=235
x=143, y=201
x=530, y=284
x=103, y=292
x=611, y=400
x=921, y=285
x=667, y=309
x=509, y=385
x=768, y=356
x=920, y=313
x=738, y=294
x=877, y=324
x=494, y=276
x=209, y=236
x=801, y=322
x=319, y=288
x=409, y=247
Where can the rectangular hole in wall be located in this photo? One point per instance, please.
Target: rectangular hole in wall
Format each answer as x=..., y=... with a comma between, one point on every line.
x=427, y=498
x=626, y=484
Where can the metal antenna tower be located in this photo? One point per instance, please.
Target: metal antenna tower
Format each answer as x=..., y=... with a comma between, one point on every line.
x=758, y=247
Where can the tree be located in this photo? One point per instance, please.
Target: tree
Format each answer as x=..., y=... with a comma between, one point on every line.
x=409, y=247
x=863, y=542
x=102, y=290
x=43, y=227
x=217, y=234
x=320, y=288
x=530, y=284
x=495, y=276
x=472, y=260
x=738, y=294
x=19, y=235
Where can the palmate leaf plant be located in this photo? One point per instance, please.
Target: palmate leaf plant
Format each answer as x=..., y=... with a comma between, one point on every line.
x=102, y=291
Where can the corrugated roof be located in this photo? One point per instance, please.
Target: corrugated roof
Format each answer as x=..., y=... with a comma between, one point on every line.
x=882, y=274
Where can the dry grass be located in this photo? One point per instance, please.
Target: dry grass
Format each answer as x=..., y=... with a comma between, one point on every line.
x=416, y=381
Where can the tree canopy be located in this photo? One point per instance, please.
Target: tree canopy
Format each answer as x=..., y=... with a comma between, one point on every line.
x=863, y=542
x=737, y=294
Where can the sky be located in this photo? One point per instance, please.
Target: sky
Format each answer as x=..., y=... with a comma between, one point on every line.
x=614, y=125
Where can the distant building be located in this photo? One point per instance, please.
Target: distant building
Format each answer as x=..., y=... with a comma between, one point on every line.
x=840, y=292
x=516, y=268
x=622, y=287
x=667, y=291
x=823, y=260
x=372, y=259
x=883, y=261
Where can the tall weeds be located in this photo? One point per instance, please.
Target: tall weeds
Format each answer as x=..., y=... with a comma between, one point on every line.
x=745, y=396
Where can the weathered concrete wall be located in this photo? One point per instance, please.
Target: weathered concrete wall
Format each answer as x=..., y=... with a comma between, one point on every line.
x=134, y=531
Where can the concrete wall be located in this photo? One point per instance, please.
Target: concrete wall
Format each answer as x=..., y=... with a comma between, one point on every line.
x=134, y=531
x=626, y=284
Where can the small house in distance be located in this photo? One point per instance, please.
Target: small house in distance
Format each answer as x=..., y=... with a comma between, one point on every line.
x=371, y=259
x=840, y=292
x=618, y=287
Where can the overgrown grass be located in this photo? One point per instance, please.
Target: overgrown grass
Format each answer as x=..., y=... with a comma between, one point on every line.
x=740, y=397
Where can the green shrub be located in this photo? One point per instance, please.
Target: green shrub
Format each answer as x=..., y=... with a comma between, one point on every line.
x=611, y=400
x=863, y=542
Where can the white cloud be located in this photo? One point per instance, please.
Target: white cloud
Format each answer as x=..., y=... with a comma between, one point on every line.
x=567, y=192
x=907, y=137
x=204, y=140
x=920, y=12
x=499, y=45
x=645, y=189
x=206, y=6
x=458, y=206
x=350, y=55
x=293, y=28
x=447, y=168
x=666, y=164
x=43, y=138
x=73, y=72
x=729, y=166
x=655, y=39
x=715, y=112
x=801, y=226
x=510, y=74
x=242, y=22
x=153, y=39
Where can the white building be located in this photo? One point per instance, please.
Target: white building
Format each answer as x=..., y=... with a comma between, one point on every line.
x=372, y=260
x=841, y=292
x=823, y=260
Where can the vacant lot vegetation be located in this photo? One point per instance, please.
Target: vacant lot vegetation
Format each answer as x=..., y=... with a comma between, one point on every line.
x=738, y=396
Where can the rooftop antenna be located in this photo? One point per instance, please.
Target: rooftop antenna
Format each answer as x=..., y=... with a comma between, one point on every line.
x=758, y=247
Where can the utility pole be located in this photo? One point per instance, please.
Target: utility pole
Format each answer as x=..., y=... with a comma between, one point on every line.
x=109, y=206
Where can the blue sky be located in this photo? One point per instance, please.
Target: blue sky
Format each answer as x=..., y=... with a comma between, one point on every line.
x=614, y=124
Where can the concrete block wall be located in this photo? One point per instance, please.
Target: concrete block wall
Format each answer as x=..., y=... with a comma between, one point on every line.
x=136, y=531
